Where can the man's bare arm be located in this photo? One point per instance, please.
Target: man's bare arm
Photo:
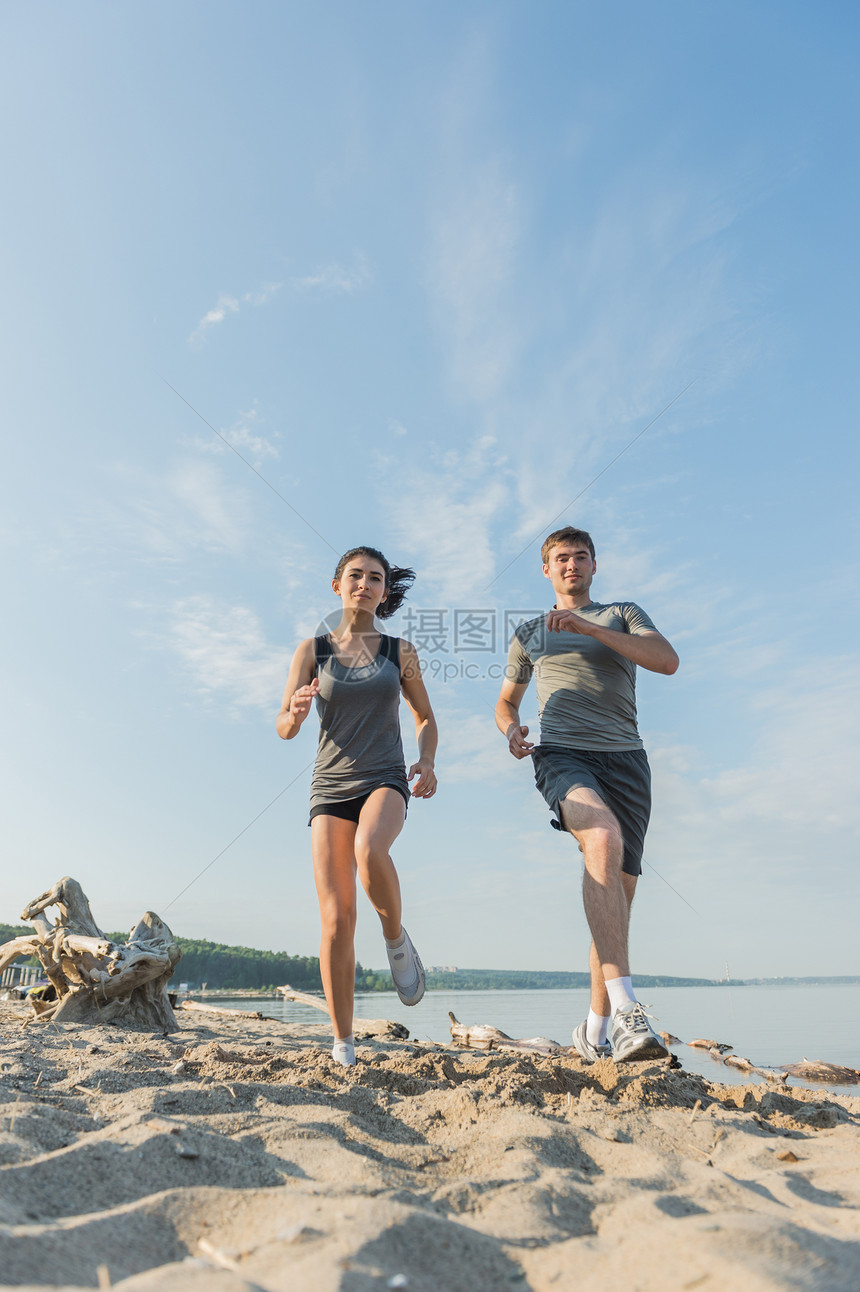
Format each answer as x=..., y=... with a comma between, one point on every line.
x=649, y=650
x=508, y=718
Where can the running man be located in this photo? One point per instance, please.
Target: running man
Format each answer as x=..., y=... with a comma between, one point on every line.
x=591, y=768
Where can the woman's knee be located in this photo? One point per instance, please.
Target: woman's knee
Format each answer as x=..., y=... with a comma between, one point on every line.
x=370, y=850
x=338, y=920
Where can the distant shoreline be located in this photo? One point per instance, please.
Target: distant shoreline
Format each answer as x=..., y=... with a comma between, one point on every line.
x=644, y=980
x=235, y=970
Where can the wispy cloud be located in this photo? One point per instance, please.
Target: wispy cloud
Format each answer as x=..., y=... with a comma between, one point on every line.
x=446, y=512
x=266, y=292
x=337, y=278
x=166, y=517
x=743, y=844
x=803, y=774
x=226, y=305
x=334, y=278
x=223, y=306
x=244, y=436
x=226, y=654
x=567, y=324
x=472, y=750
x=473, y=256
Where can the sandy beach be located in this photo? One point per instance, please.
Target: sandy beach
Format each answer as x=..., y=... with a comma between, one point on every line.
x=235, y=1155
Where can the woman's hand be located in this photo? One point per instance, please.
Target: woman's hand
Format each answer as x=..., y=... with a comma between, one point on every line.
x=425, y=786
x=302, y=699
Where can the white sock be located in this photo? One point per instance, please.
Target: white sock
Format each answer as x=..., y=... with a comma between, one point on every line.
x=343, y=1051
x=396, y=943
x=620, y=993
x=597, y=1028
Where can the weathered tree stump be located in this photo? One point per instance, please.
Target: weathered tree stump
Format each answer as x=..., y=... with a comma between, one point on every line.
x=97, y=980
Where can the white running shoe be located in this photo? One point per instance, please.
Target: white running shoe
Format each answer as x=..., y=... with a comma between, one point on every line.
x=406, y=970
x=633, y=1037
x=344, y=1052
x=588, y=1052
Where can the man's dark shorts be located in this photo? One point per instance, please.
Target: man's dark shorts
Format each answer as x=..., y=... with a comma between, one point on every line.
x=622, y=779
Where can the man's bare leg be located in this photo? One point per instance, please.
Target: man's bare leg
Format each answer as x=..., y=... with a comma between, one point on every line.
x=607, y=907
x=599, y=994
x=608, y=895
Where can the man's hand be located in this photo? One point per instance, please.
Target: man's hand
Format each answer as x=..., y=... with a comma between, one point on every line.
x=647, y=649
x=517, y=743
x=302, y=699
x=566, y=621
x=425, y=786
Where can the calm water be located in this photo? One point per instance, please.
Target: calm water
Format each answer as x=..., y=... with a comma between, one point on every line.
x=767, y=1025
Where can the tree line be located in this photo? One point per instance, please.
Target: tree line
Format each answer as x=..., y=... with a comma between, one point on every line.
x=225, y=968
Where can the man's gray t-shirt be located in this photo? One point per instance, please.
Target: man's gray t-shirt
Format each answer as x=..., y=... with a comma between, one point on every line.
x=586, y=692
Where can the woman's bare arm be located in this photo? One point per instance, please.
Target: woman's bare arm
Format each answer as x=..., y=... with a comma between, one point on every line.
x=299, y=692
x=415, y=695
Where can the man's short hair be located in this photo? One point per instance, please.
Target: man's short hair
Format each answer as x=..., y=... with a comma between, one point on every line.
x=567, y=535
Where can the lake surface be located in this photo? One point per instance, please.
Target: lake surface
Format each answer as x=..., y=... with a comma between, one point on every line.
x=770, y=1026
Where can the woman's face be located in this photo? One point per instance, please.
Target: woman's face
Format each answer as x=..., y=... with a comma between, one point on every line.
x=361, y=586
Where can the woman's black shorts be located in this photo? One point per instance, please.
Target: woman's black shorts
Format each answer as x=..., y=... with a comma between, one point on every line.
x=622, y=778
x=350, y=809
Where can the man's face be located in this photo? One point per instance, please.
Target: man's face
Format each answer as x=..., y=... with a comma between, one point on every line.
x=570, y=568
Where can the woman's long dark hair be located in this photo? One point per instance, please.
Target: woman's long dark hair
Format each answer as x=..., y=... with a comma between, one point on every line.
x=397, y=581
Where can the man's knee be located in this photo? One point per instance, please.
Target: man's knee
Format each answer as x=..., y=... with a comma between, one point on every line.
x=591, y=820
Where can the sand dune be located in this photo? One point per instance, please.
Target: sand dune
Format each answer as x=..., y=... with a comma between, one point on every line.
x=235, y=1155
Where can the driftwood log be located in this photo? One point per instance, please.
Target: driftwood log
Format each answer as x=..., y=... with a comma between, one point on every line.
x=744, y=1065
x=381, y=1028
x=482, y=1036
x=96, y=980
x=302, y=997
x=816, y=1070
x=199, y=1007
x=809, y=1070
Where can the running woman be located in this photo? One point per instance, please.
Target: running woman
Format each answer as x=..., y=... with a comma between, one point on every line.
x=360, y=787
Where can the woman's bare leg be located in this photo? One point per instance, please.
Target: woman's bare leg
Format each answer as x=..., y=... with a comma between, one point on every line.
x=379, y=825
x=332, y=844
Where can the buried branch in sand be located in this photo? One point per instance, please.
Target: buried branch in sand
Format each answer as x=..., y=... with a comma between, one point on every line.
x=483, y=1036
x=834, y=1074
x=93, y=978
x=236, y=1155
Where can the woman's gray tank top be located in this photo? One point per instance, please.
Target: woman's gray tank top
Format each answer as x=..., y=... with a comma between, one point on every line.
x=359, y=710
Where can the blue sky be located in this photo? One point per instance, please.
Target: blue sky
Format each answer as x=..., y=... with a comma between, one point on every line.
x=429, y=269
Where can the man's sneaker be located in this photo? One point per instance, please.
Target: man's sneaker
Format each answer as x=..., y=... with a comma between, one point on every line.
x=406, y=970
x=587, y=1052
x=633, y=1036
